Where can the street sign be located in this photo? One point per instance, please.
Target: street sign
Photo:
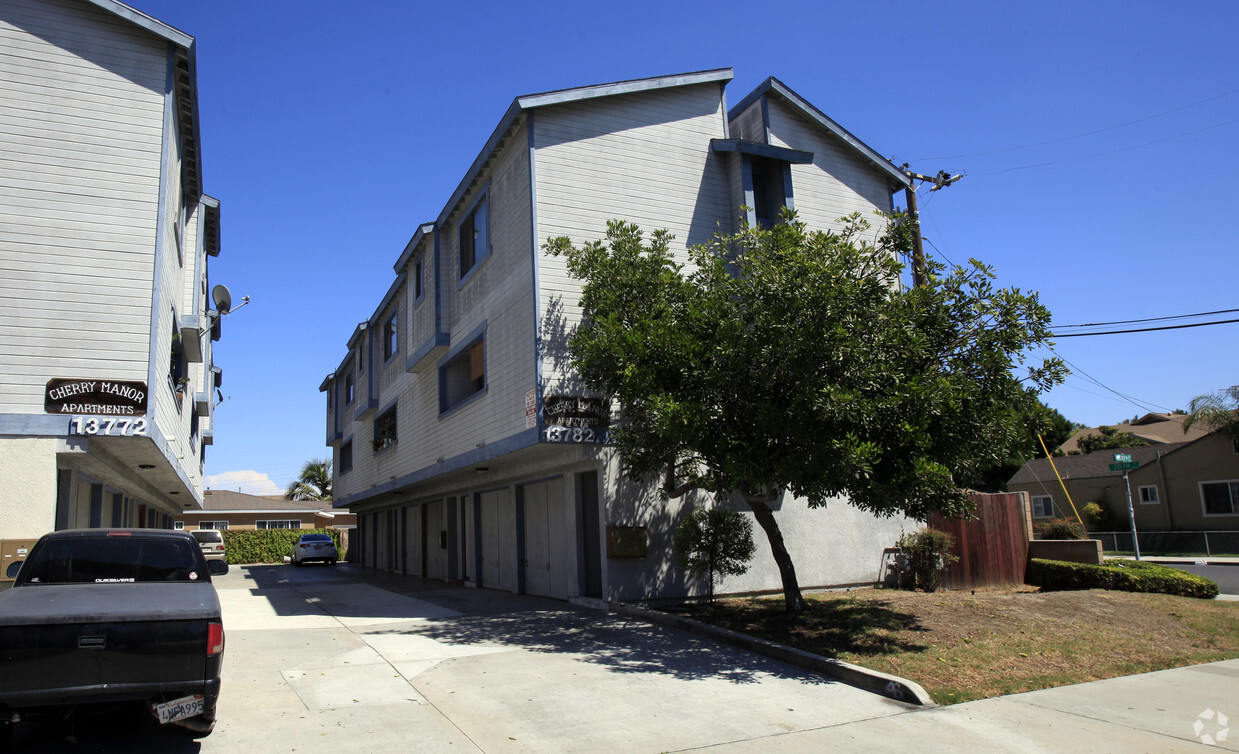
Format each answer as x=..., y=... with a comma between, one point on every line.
x=1122, y=458
x=1125, y=466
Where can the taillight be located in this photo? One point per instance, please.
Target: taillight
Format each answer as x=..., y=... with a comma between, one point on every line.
x=215, y=639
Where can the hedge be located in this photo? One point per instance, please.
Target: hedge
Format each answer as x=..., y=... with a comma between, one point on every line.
x=268, y=545
x=1121, y=575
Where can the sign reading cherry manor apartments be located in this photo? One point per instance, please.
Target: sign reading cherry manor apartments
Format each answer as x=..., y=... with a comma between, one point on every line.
x=98, y=397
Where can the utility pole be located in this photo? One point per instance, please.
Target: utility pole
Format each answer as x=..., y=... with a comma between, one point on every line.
x=941, y=180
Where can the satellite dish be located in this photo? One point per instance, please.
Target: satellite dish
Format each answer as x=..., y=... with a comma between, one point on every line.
x=222, y=298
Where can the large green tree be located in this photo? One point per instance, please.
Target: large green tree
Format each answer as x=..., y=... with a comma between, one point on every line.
x=313, y=483
x=1217, y=411
x=787, y=360
x=1042, y=420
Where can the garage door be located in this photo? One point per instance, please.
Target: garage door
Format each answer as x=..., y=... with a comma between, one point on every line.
x=412, y=522
x=498, y=530
x=548, y=564
x=434, y=539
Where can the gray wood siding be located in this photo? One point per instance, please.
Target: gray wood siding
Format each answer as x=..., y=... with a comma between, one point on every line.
x=642, y=158
x=421, y=314
x=748, y=125
x=838, y=181
x=499, y=293
x=80, y=153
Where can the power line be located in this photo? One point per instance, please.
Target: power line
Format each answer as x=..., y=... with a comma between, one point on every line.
x=1151, y=319
x=1105, y=154
x=1087, y=133
x=1142, y=405
x=1143, y=329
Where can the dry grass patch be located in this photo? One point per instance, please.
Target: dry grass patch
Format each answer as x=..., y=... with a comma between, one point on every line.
x=965, y=645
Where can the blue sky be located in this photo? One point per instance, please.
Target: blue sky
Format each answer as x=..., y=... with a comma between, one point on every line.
x=1099, y=143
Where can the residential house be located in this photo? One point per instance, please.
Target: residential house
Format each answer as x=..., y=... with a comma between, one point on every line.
x=228, y=510
x=1181, y=486
x=1154, y=428
x=461, y=438
x=106, y=328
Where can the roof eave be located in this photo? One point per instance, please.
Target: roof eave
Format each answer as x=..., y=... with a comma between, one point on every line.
x=817, y=116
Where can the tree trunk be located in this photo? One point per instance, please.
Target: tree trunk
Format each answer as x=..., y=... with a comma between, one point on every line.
x=793, y=600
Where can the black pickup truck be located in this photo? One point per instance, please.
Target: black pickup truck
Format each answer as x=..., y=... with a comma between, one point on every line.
x=101, y=616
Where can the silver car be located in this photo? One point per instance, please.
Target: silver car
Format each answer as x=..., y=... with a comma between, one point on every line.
x=311, y=547
x=212, y=543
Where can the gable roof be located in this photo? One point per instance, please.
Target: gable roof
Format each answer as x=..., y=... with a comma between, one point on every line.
x=227, y=500
x=561, y=96
x=1089, y=465
x=1157, y=429
x=811, y=113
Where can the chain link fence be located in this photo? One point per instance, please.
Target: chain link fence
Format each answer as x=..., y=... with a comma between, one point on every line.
x=1180, y=543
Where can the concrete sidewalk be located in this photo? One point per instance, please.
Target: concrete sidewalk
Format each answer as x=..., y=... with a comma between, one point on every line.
x=349, y=660
x=1185, y=709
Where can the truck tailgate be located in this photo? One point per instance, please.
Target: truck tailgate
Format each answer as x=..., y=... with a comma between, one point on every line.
x=69, y=641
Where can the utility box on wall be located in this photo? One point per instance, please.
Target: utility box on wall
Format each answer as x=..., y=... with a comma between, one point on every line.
x=12, y=553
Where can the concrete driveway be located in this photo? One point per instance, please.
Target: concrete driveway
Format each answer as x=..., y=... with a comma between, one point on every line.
x=341, y=659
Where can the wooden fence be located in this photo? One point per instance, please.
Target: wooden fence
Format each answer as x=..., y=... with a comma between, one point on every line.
x=992, y=546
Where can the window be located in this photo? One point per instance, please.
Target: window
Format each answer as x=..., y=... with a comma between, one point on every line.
x=474, y=237
x=178, y=525
x=1220, y=498
x=278, y=524
x=348, y=389
x=1043, y=506
x=113, y=559
x=418, y=289
x=462, y=377
x=218, y=525
x=390, y=343
x=1148, y=494
x=769, y=195
x=346, y=457
x=385, y=430
x=361, y=361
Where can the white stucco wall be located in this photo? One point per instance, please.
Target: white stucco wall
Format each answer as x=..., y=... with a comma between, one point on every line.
x=28, y=494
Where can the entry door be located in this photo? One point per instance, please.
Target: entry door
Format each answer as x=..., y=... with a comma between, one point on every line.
x=498, y=529
x=548, y=568
x=434, y=540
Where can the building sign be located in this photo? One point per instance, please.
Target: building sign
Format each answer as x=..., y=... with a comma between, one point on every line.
x=575, y=411
x=99, y=397
x=575, y=419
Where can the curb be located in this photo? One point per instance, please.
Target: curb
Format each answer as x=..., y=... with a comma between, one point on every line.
x=890, y=686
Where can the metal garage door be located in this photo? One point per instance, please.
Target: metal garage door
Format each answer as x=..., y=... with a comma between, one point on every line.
x=498, y=547
x=434, y=539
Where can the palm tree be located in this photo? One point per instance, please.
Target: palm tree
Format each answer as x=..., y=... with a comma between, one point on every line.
x=1217, y=411
x=314, y=483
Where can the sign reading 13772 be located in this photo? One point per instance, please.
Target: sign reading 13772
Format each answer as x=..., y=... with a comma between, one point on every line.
x=108, y=426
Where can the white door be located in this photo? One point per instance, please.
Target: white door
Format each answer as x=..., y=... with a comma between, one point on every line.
x=548, y=567
x=498, y=529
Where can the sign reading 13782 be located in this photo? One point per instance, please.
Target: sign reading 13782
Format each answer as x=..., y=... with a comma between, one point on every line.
x=111, y=426
x=575, y=434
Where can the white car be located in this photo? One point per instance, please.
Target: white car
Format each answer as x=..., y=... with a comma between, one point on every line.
x=315, y=547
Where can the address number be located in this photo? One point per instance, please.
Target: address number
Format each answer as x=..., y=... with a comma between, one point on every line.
x=96, y=425
x=574, y=434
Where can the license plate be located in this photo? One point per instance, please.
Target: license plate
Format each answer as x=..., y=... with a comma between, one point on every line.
x=179, y=709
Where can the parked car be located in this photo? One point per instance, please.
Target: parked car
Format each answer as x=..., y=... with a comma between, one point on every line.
x=212, y=543
x=315, y=547
x=98, y=617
